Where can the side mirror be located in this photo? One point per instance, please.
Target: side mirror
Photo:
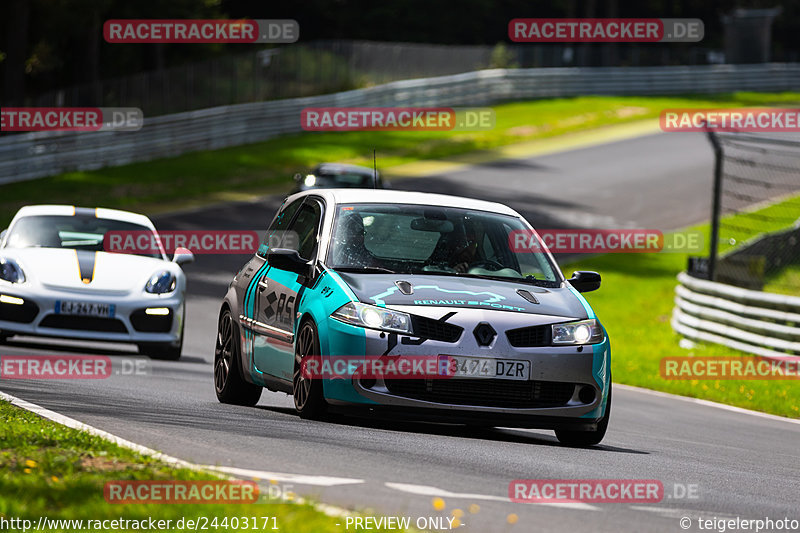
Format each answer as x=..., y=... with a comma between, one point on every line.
x=297, y=177
x=182, y=256
x=585, y=281
x=288, y=260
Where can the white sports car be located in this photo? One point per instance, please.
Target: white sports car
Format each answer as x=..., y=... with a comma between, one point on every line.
x=56, y=280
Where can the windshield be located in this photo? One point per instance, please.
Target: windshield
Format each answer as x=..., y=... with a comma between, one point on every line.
x=340, y=181
x=415, y=239
x=79, y=232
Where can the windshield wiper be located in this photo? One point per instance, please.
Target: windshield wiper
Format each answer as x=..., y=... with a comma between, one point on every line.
x=364, y=269
x=527, y=280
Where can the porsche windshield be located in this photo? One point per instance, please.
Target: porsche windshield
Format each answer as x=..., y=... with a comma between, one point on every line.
x=79, y=232
x=434, y=240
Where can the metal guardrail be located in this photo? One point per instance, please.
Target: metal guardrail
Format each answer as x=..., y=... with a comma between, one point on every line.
x=33, y=155
x=755, y=322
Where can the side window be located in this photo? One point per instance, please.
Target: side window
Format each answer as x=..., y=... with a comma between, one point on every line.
x=305, y=229
x=275, y=234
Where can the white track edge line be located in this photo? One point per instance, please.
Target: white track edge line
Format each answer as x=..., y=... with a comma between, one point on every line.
x=330, y=510
x=75, y=424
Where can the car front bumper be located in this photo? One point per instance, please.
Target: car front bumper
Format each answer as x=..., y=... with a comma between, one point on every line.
x=130, y=322
x=567, y=386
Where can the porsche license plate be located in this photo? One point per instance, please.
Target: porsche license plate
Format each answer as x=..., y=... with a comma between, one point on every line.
x=84, y=309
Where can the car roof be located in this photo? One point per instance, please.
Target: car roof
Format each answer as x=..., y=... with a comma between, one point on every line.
x=70, y=210
x=383, y=196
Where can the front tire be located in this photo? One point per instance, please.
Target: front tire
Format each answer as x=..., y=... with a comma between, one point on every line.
x=309, y=401
x=168, y=351
x=165, y=352
x=229, y=384
x=581, y=439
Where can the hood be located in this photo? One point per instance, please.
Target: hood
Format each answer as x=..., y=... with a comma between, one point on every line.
x=83, y=270
x=473, y=293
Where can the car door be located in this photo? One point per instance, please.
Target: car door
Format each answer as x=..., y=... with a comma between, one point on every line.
x=254, y=274
x=279, y=292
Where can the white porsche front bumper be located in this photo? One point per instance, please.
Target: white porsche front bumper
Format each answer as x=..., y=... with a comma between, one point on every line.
x=27, y=310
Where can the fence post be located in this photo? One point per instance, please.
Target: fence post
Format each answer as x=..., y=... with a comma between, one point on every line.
x=715, y=203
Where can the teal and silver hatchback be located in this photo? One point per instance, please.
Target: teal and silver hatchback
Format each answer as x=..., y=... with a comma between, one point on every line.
x=390, y=276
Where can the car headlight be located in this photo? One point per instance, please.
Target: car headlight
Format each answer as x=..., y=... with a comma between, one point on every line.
x=161, y=283
x=580, y=332
x=10, y=271
x=370, y=316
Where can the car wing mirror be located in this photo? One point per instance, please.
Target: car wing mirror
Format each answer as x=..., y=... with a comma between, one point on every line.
x=585, y=280
x=182, y=256
x=288, y=260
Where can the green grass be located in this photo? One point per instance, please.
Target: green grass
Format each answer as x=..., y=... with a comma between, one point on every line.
x=635, y=304
x=49, y=470
x=267, y=166
x=787, y=281
x=751, y=224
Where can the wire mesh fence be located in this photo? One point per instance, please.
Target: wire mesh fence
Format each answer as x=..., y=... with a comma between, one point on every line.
x=758, y=208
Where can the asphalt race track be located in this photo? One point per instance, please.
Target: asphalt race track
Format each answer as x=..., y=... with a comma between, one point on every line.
x=741, y=465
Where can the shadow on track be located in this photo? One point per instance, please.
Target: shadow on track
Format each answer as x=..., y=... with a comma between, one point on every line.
x=518, y=436
x=15, y=342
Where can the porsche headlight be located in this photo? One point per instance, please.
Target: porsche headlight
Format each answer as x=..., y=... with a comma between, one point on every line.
x=161, y=283
x=580, y=332
x=10, y=271
x=370, y=316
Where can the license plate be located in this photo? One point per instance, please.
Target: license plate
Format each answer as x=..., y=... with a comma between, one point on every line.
x=84, y=309
x=483, y=368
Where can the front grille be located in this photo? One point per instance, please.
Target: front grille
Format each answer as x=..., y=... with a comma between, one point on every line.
x=436, y=330
x=84, y=323
x=530, y=336
x=145, y=323
x=484, y=392
x=21, y=314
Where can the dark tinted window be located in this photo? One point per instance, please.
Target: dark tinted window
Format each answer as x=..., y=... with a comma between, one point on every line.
x=344, y=181
x=305, y=228
x=277, y=236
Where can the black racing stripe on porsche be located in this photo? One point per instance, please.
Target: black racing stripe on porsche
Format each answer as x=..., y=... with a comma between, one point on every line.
x=86, y=262
x=85, y=211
